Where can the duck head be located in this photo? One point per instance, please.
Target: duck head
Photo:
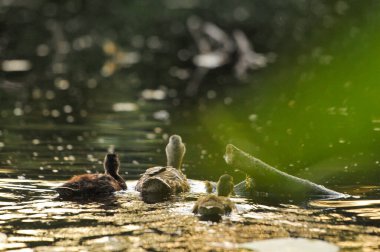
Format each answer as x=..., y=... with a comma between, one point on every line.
x=111, y=164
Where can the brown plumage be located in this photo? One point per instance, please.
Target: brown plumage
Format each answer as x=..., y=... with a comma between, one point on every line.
x=213, y=205
x=95, y=185
x=165, y=181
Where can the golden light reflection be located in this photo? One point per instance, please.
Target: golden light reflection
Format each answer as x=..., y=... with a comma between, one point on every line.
x=6, y=170
x=23, y=185
x=46, y=204
x=15, y=245
x=62, y=210
x=131, y=227
x=11, y=216
x=343, y=203
x=371, y=213
x=29, y=231
x=29, y=239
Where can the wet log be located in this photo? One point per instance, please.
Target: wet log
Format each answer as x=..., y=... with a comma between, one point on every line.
x=271, y=180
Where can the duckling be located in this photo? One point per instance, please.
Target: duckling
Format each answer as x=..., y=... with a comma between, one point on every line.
x=164, y=181
x=209, y=186
x=212, y=205
x=93, y=185
x=225, y=185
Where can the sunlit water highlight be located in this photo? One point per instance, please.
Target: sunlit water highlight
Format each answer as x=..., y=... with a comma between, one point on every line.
x=38, y=156
x=32, y=217
x=63, y=107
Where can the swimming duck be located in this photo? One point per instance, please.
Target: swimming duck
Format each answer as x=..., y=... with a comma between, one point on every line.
x=163, y=181
x=216, y=205
x=93, y=185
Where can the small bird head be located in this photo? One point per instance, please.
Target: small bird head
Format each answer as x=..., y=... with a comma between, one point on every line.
x=226, y=178
x=175, y=140
x=111, y=163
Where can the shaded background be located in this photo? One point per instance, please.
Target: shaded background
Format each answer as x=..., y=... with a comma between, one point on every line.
x=96, y=75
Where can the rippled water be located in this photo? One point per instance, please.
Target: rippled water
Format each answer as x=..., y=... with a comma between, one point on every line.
x=39, y=155
x=34, y=159
x=70, y=92
x=32, y=217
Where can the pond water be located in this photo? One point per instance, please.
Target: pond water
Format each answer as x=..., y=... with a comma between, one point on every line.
x=70, y=92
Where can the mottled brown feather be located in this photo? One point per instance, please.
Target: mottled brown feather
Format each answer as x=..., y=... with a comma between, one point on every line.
x=95, y=185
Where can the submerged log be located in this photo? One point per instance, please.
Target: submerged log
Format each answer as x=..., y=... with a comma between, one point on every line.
x=269, y=179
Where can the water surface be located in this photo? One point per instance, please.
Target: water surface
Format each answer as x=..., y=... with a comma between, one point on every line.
x=78, y=80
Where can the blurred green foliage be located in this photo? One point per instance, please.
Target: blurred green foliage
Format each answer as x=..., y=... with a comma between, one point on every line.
x=313, y=113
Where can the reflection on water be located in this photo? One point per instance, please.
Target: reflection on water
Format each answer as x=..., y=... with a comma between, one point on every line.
x=345, y=203
x=75, y=84
x=367, y=210
x=36, y=219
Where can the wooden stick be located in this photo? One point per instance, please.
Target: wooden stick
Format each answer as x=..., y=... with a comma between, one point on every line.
x=269, y=179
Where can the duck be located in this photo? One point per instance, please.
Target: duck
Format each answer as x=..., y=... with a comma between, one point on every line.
x=213, y=205
x=95, y=185
x=163, y=181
